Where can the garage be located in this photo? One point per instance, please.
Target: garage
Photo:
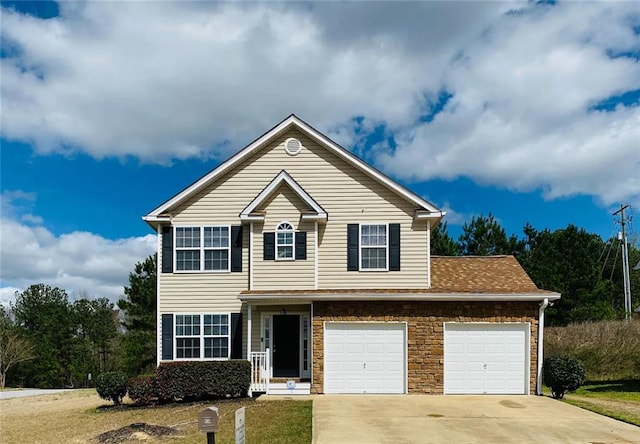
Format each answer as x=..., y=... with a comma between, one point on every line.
x=365, y=357
x=486, y=358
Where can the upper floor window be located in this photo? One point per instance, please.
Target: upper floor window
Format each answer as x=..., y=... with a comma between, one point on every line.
x=284, y=241
x=373, y=247
x=202, y=248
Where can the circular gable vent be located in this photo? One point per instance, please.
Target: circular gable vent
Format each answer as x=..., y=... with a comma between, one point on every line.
x=292, y=146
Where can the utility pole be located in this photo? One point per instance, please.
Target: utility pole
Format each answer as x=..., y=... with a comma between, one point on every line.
x=625, y=261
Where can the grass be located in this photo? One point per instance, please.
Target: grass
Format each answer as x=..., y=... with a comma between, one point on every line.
x=78, y=417
x=609, y=350
x=617, y=399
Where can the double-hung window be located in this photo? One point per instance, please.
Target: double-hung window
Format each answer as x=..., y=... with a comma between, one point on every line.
x=284, y=241
x=188, y=336
x=202, y=248
x=216, y=336
x=373, y=247
x=202, y=336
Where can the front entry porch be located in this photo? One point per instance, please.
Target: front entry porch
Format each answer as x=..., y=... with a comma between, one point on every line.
x=279, y=349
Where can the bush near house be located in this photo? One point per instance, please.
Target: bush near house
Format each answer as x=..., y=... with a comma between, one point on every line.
x=112, y=386
x=142, y=389
x=562, y=373
x=198, y=380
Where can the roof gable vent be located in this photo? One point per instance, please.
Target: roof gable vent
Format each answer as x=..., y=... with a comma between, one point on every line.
x=292, y=146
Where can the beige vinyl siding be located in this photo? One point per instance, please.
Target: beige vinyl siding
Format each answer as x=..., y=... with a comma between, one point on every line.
x=181, y=302
x=346, y=193
x=202, y=292
x=283, y=206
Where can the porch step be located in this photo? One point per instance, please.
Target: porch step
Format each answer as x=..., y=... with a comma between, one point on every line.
x=280, y=388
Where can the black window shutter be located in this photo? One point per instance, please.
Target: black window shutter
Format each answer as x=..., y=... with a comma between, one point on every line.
x=236, y=248
x=353, y=243
x=167, y=249
x=394, y=247
x=269, y=247
x=236, y=335
x=301, y=245
x=167, y=337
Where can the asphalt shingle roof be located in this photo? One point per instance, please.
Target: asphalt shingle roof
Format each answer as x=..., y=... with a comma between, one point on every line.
x=451, y=275
x=479, y=274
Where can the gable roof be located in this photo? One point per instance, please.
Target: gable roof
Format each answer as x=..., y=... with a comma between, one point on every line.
x=453, y=278
x=283, y=177
x=426, y=210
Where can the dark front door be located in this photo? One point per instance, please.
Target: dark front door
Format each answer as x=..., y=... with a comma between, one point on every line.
x=286, y=346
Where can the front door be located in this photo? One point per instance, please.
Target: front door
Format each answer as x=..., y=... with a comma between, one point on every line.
x=286, y=346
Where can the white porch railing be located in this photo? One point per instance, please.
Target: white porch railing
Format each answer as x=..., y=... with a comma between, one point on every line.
x=259, y=371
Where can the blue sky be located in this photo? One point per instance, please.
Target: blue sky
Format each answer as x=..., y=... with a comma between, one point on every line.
x=528, y=111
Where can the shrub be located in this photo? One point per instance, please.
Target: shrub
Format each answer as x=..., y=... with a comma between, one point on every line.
x=112, y=386
x=142, y=390
x=562, y=373
x=202, y=380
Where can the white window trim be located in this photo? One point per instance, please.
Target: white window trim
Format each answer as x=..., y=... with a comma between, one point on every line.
x=360, y=247
x=201, y=337
x=293, y=241
x=202, y=249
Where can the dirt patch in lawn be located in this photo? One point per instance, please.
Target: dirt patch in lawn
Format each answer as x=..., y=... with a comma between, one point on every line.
x=136, y=432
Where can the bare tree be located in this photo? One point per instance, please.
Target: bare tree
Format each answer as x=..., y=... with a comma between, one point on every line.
x=14, y=348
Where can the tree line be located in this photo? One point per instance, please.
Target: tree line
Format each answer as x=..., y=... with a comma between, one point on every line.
x=46, y=340
x=580, y=265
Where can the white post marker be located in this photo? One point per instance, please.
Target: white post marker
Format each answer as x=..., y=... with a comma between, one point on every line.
x=240, y=426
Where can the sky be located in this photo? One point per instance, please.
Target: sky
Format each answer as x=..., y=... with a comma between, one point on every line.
x=526, y=110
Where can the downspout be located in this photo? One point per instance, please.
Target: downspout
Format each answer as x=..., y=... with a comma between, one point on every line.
x=543, y=305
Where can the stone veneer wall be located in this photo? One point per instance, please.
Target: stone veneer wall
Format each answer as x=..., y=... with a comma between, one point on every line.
x=425, y=325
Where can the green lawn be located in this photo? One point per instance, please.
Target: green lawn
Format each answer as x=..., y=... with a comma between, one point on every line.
x=619, y=390
x=616, y=399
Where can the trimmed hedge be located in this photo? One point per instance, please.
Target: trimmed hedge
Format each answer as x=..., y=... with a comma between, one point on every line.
x=112, y=386
x=562, y=373
x=202, y=380
x=142, y=390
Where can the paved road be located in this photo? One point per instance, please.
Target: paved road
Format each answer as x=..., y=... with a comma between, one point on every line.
x=10, y=394
x=412, y=419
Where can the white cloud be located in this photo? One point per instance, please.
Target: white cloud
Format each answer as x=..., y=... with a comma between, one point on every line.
x=167, y=80
x=79, y=262
x=454, y=217
x=7, y=294
x=520, y=114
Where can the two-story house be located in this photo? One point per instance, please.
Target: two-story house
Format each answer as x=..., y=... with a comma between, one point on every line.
x=299, y=256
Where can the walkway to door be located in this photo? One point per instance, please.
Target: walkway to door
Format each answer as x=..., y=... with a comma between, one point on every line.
x=472, y=419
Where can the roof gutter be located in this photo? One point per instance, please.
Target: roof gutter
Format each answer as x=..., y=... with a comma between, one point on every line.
x=399, y=297
x=154, y=221
x=543, y=306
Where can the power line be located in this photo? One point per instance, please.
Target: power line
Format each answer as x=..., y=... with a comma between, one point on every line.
x=625, y=261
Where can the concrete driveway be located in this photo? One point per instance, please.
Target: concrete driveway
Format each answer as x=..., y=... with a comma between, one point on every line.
x=460, y=419
x=23, y=393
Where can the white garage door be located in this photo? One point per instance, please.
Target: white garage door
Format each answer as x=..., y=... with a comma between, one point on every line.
x=486, y=358
x=364, y=357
